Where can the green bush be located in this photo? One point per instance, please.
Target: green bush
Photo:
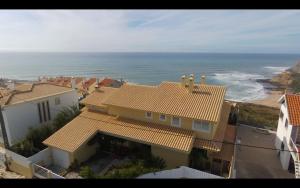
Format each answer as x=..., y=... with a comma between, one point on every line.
x=87, y=172
x=258, y=115
x=129, y=170
x=65, y=116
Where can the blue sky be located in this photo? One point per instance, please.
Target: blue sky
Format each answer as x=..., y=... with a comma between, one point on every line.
x=242, y=31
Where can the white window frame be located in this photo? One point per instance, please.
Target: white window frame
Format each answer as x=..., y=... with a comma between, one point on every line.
x=202, y=123
x=174, y=125
x=162, y=119
x=148, y=116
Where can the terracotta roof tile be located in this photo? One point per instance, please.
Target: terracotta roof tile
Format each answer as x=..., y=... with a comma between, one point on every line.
x=204, y=103
x=293, y=106
x=37, y=90
x=97, y=97
x=87, y=124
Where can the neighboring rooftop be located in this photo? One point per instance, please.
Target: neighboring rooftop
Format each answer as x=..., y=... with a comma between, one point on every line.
x=87, y=124
x=97, y=97
x=293, y=106
x=29, y=92
x=205, y=102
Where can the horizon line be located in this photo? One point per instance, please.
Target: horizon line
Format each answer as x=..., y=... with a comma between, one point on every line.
x=187, y=52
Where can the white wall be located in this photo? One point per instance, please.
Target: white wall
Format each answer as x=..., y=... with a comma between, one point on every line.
x=283, y=132
x=43, y=157
x=20, y=117
x=60, y=158
x=182, y=172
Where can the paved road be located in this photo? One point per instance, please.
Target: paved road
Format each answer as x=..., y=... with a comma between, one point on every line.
x=255, y=162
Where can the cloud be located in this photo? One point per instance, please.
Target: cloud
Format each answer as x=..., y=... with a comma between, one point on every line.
x=267, y=31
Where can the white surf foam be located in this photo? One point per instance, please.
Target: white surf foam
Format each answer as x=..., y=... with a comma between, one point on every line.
x=241, y=86
x=276, y=70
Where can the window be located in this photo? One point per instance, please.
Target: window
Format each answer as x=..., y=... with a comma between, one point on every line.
x=48, y=110
x=162, y=117
x=149, y=115
x=203, y=126
x=40, y=112
x=286, y=123
x=57, y=101
x=281, y=115
x=44, y=111
x=176, y=121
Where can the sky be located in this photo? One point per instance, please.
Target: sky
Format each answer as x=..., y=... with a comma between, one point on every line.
x=223, y=31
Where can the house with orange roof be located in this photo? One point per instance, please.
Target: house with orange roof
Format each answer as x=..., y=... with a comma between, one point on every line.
x=288, y=133
x=172, y=118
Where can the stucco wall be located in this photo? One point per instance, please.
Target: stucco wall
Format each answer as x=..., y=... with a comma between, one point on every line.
x=20, y=169
x=83, y=153
x=283, y=132
x=172, y=158
x=186, y=123
x=18, y=118
x=60, y=157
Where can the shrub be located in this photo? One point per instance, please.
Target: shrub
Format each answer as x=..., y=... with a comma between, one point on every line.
x=65, y=116
x=87, y=172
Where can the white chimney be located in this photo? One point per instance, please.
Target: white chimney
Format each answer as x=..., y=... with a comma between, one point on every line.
x=202, y=79
x=11, y=85
x=191, y=84
x=183, y=80
x=73, y=83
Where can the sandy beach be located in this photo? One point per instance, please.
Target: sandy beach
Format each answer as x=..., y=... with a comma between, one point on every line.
x=271, y=100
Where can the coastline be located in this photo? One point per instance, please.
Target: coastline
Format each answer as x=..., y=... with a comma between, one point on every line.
x=275, y=87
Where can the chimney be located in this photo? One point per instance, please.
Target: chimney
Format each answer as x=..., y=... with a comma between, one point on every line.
x=183, y=80
x=202, y=80
x=73, y=83
x=11, y=85
x=191, y=84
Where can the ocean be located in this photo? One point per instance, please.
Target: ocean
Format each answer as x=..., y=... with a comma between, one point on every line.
x=237, y=71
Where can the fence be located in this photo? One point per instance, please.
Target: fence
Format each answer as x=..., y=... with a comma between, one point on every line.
x=44, y=173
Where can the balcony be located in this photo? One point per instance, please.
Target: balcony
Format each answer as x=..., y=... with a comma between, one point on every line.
x=295, y=149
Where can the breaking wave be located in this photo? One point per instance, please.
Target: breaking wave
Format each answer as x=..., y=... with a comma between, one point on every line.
x=241, y=87
x=276, y=70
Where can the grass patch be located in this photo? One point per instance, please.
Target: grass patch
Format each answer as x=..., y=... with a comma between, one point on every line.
x=295, y=85
x=258, y=115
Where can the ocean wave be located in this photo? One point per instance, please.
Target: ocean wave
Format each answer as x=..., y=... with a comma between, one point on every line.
x=276, y=70
x=241, y=86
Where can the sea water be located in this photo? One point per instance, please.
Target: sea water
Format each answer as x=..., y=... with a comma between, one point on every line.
x=236, y=71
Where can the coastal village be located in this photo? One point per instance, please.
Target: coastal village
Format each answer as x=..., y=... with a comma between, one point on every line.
x=76, y=127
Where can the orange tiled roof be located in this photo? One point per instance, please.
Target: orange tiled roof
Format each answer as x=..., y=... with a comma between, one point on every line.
x=87, y=124
x=97, y=97
x=293, y=106
x=204, y=103
x=37, y=90
x=106, y=82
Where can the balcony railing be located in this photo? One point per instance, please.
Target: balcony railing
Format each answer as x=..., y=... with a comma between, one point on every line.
x=295, y=149
x=44, y=173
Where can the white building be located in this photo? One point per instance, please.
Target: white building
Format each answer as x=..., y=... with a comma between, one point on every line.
x=182, y=172
x=32, y=107
x=288, y=133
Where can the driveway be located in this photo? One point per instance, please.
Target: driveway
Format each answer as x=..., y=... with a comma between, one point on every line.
x=257, y=162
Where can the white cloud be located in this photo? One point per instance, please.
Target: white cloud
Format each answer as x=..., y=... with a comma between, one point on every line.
x=150, y=30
